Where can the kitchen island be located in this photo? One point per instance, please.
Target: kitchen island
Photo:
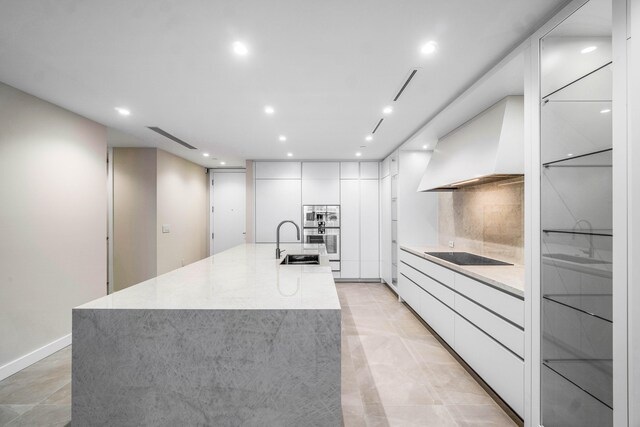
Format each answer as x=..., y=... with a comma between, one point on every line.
x=234, y=339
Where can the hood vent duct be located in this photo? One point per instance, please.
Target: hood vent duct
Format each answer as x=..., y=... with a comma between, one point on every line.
x=171, y=137
x=404, y=86
x=487, y=148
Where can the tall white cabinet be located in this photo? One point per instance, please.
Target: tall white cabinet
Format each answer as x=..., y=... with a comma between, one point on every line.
x=359, y=188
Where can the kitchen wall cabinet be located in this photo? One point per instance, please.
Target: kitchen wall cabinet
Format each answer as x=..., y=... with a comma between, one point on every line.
x=282, y=188
x=349, y=170
x=350, y=228
x=278, y=170
x=483, y=324
x=369, y=170
x=369, y=229
x=277, y=200
x=320, y=183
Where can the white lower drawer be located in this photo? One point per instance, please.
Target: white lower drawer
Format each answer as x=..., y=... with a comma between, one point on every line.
x=503, y=371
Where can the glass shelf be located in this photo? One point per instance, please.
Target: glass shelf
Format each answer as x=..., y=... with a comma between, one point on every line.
x=599, y=78
x=597, y=306
x=580, y=161
x=597, y=232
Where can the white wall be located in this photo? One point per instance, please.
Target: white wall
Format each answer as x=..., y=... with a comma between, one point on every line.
x=417, y=212
x=53, y=218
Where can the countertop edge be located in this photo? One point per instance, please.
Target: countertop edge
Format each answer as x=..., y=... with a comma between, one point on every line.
x=505, y=287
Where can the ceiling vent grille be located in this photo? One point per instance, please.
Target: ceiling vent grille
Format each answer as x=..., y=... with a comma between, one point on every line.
x=171, y=137
x=377, y=126
x=406, y=83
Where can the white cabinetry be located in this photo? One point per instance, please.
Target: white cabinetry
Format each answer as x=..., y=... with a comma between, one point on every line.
x=350, y=228
x=277, y=200
x=385, y=229
x=483, y=324
x=278, y=170
x=369, y=229
x=349, y=170
x=320, y=183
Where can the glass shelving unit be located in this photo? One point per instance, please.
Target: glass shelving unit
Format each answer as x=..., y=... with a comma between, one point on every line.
x=576, y=222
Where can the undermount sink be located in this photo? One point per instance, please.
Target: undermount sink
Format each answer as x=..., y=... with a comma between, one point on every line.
x=576, y=259
x=301, y=260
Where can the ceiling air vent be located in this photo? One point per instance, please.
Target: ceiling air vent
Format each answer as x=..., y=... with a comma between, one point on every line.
x=406, y=83
x=377, y=126
x=171, y=137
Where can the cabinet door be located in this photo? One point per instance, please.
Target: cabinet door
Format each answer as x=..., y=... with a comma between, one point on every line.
x=320, y=170
x=369, y=170
x=385, y=228
x=369, y=229
x=278, y=170
x=349, y=170
x=502, y=370
x=320, y=183
x=277, y=200
x=320, y=191
x=350, y=228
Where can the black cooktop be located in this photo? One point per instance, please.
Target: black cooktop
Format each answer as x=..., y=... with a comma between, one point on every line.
x=465, y=258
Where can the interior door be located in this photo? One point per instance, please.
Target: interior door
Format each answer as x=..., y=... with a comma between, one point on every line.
x=229, y=210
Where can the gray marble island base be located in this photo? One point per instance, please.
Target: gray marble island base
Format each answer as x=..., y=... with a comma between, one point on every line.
x=211, y=366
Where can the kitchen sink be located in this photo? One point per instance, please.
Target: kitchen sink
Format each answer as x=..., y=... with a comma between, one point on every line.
x=576, y=259
x=301, y=260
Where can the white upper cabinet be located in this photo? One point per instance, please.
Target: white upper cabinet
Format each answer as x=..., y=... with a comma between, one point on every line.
x=320, y=183
x=320, y=191
x=369, y=170
x=277, y=200
x=278, y=170
x=320, y=170
x=349, y=170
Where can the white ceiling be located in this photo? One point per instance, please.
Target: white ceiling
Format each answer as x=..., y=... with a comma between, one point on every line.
x=328, y=67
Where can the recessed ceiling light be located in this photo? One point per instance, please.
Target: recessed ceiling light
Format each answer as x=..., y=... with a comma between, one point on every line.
x=358, y=154
x=588, y=49
x=387, y=110
x=424, y=147
x=223, y=163
x=282, y=138
x=205, y=154
x=123, y=111
x=428, y=48
x=289, y=154
x=368, y=138
x=570, y=155
x=269, y=109
x=240, y=49
x=605, y=111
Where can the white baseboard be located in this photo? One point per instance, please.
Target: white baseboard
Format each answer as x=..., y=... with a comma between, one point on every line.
x=36, y=355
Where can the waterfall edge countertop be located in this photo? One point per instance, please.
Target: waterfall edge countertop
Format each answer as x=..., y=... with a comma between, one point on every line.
x=247, y=277
x=509, y=278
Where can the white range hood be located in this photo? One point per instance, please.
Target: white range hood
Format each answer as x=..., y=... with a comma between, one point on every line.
x=487, y=148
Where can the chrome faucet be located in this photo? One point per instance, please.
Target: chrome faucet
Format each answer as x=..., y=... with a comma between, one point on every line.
x=591, y=251
x=278, y=251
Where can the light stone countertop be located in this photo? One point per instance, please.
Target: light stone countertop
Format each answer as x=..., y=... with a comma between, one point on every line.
x=246, y=277
x=509, y=278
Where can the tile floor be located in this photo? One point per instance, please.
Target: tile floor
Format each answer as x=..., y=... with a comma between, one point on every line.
x=394, y=373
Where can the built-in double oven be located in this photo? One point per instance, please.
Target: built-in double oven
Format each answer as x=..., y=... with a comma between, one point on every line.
x=322, y=225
